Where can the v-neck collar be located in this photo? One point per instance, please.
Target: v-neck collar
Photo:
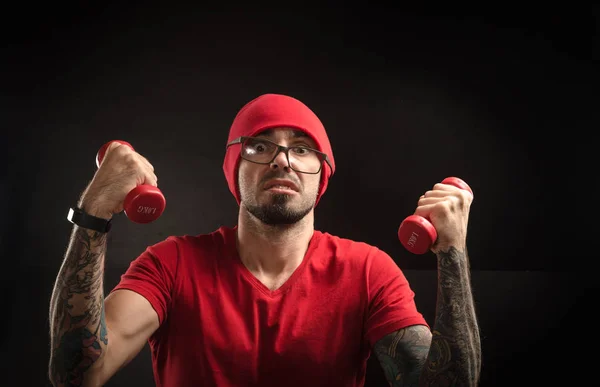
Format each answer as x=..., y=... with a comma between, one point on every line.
x=255, y=282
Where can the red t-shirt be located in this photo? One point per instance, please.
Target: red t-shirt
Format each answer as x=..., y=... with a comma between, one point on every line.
x=220, y=326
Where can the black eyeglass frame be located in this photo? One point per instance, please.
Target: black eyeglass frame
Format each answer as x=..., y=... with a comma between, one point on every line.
x=285, y=150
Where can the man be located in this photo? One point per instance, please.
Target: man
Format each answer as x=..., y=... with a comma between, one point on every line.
x=271, y=301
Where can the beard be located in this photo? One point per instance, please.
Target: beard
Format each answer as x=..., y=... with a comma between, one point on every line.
x=279, y=209
x=278, y=212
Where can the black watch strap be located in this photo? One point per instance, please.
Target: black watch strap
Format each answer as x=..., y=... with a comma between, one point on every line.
x=79, y=217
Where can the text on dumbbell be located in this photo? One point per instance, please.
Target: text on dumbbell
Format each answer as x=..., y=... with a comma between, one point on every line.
x=146, y=210
x=413, y=239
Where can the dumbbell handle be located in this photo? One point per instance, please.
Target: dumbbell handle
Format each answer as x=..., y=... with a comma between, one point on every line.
x=143, y=204
x=416, y=233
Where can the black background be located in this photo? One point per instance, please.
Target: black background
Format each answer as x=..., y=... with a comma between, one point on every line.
x=501, y=97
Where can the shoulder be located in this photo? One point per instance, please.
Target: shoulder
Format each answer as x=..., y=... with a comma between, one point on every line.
x=343, y=248
x=339, y=244
x=368, y=258
x=185, y=244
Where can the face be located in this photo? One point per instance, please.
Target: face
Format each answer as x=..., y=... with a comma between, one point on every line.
x=275, y=204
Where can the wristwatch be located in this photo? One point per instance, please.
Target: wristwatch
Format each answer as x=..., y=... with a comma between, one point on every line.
x=79, y=217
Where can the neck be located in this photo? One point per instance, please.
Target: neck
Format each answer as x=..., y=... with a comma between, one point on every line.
x=272, y=250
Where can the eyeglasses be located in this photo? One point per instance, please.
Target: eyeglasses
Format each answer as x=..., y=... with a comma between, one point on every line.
x=301, y=159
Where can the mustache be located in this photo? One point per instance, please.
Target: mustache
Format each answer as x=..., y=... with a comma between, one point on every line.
x=279, y=174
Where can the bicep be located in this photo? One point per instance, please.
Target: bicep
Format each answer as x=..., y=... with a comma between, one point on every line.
x=130, y=321
x=402, y=354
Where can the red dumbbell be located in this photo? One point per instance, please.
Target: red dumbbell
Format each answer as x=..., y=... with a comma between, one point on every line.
x=143, y=204
x=416, y=233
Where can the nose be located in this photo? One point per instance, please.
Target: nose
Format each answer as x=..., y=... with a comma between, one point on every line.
x=280, y=161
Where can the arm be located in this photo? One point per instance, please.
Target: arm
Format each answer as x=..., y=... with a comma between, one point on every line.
x=452, y=355
x=92, y=338
x=78, y=336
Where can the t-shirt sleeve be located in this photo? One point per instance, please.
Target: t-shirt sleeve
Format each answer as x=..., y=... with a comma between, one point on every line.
x=391, y=304
x=152, y=275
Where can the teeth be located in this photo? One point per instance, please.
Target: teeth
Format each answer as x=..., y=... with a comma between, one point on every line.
x=281, y=187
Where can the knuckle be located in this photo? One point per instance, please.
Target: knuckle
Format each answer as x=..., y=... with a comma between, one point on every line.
x=139, y=164
x=147, y=162
x=120, y=149
x=113, y=147
x=464, y=197
x=131, y=160
x=128, y=158
x=444, y=207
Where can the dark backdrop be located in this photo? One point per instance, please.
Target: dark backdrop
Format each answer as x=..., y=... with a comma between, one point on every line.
x=501, y=98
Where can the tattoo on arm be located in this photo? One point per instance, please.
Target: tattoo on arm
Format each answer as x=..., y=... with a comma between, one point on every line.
x=455, y=355
x=451, y=354
x=78, y=332
x=403, y=353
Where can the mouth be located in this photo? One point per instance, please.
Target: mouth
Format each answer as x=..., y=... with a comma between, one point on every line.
x=281, y=186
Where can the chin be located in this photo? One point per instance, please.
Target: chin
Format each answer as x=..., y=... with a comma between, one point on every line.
x=277, y=197
x=279, y=209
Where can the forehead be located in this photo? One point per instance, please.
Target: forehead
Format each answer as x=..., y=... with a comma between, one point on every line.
x=285, y=133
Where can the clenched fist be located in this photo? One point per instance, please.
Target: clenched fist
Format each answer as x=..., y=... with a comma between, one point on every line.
x=121, y=170
x=447, y=207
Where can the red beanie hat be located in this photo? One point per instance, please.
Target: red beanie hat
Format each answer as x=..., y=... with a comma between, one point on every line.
x=270, y=111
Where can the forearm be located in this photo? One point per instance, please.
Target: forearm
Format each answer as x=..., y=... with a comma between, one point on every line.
x=78, y=334
x=455, y=354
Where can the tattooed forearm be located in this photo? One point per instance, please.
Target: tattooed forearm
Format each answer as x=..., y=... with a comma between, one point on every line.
x=451, y=356
x=455, y=355
x=77, y=325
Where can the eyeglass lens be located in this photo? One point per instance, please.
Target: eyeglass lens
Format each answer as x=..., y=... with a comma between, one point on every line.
x=262, y=151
